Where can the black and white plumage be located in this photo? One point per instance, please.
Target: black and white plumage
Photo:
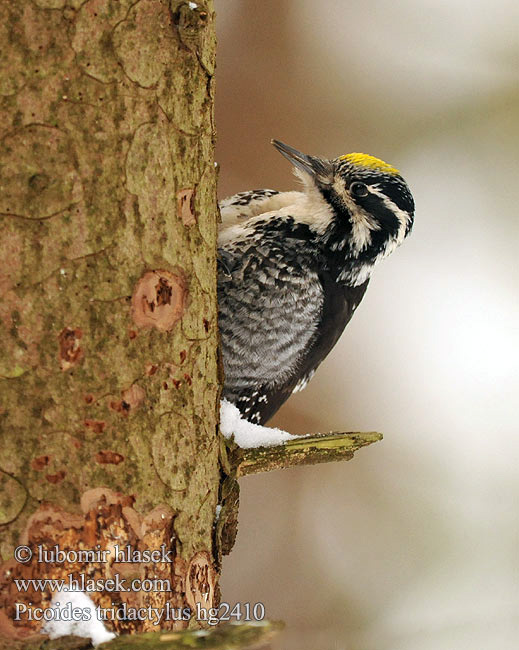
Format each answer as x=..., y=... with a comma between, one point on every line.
x=293, y=267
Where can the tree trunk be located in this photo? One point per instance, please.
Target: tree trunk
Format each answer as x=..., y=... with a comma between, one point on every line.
x=108, y=351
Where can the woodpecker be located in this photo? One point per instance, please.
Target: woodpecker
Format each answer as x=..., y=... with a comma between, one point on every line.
x=294, y=266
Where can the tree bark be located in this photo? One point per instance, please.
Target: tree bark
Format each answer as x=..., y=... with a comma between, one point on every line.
x=109, y=376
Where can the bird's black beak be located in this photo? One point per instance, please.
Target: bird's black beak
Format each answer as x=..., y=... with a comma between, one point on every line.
x=317, y=167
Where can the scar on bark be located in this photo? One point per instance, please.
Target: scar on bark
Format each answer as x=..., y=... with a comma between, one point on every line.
x=108, y=457
x=105, y=518
x=201, y=579
x=158, y=300
x=131, y=398
x=38, y=464
x=70, y=353
x=56, y=478
x=151, y=368
x=185, y=208
x=97, y=426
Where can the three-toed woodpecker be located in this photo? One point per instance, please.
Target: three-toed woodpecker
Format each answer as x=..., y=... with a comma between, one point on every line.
x=293, y=267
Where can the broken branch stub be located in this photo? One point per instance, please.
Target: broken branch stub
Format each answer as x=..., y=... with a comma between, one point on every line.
x=308, y=450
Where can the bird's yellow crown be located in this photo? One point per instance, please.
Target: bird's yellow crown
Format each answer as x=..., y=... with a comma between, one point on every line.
x=370, y=162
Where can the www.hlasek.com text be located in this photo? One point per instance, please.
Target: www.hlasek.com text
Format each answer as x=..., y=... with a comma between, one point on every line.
x=82, y=582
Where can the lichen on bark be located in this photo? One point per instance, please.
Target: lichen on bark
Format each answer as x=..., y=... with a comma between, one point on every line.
x=106, y=111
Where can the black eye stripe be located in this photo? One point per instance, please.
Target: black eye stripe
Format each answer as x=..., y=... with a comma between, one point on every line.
x=399, y=194
x=394, y=187
x=388, y=219
x=375, y=206
x=373, y=203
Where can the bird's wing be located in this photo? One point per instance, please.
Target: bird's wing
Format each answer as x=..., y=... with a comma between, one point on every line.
x=339, y=305
x=239, y=207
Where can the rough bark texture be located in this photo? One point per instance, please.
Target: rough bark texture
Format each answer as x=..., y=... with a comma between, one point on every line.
x=108, y=349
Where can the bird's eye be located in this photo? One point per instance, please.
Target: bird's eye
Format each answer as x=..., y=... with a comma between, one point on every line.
x=359, y=189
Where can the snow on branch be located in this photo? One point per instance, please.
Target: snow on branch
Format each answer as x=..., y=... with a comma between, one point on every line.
x=246, y=434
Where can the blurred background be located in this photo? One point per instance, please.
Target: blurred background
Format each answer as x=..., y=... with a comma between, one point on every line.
x=413, y=545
